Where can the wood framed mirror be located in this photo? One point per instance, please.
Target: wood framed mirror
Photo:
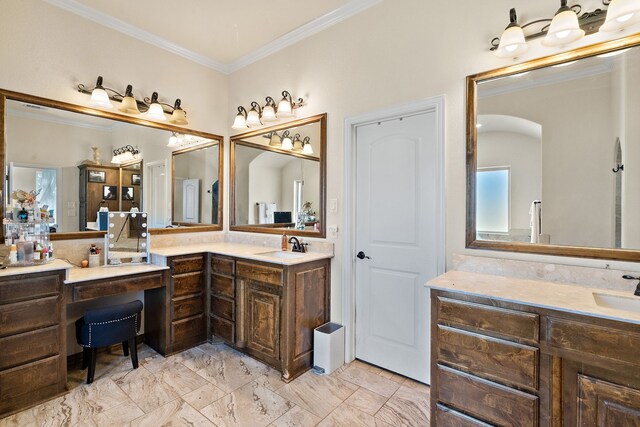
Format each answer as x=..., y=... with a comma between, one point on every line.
x=553, y=154
x=278, y=179
x=60, y=142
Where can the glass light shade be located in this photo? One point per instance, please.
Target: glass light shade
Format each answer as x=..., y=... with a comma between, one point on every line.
x=239, y=123
x=179, y=117
x=621, y=14
x=275, y=140
x=512, y=43
x=115, y=159
x=100, y=99
x=253, y=118
x=307, y=149
x=129, y=105
x=269, y=114
x=284, y=108
x=156, y=112
x=564, y=29
x=297, y=145
x=173, y=140
x=287, y=144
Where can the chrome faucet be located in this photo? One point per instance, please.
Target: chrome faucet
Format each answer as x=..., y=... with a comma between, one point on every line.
x=297, y=246
x=637, y=291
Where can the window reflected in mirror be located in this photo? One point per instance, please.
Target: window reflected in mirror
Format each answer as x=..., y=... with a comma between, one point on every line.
x=278, y=179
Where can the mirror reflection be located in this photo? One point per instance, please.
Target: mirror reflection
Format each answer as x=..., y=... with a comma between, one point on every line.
x=78, y=165
x=558, y=159
x=196, y=185
x=278, y=179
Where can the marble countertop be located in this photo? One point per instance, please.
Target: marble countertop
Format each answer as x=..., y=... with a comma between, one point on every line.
x=77, y=274
x=550, y=295
x=55, y=264
x=239, y=250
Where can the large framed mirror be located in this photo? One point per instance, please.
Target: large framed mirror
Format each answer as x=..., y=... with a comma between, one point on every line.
x=278, y=179
x=64, y=154
x=553, y=154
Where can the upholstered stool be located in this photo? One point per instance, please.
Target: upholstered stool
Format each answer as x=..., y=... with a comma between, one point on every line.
x=107, y=326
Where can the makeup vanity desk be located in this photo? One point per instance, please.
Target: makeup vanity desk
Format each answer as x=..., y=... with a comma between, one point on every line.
x=262, y=304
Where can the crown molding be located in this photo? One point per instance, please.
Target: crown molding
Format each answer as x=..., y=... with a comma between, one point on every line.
x=116, y=24
x=344, y=12
x=319, y=24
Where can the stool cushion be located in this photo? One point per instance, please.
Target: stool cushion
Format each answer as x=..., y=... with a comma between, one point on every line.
x=109, y=325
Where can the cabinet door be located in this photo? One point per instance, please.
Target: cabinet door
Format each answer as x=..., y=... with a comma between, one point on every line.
x=262, y=320
x=601, y=403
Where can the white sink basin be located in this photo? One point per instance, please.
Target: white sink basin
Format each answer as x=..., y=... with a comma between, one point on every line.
x=619, y=302
x=281, y=255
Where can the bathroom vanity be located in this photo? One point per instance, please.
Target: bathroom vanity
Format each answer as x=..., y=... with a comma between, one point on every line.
x=514, y=352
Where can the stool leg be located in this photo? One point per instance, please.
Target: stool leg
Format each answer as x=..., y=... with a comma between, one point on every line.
x=92, y=365
x=125, y=348
x=134, y=352
x=85, y=357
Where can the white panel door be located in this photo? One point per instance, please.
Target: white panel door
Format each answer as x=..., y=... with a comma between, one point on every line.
x=397, y=220
x=191, y=200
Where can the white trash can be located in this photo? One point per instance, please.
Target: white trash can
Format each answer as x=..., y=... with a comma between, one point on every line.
x=328, y=348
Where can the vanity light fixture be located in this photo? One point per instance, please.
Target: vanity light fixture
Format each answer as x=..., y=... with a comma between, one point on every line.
x=258, y=115
x=240, y=122
x=275, y=140
x=306, y=142
x=287, y=143
x=568, y=25
x=621, y=14
x=297, y=143
x=102, y=97
x=253, y=117
x=124, y=154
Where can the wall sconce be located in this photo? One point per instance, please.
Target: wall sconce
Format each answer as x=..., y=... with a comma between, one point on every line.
x=155, y=110
x=275, y=140
x=184, y=140
x=306, y=145
x=297, y=143
x=124, y=154
x=268, y=113
x=567, y=26
x=285, y=142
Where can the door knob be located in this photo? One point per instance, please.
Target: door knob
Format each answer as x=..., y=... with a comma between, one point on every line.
x=361, y=255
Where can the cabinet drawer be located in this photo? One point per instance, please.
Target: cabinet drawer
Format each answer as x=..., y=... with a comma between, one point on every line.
x=223, y=328
x=29, y=315
x=259, y=273
x=186, y=284
x=492, y=358
x=28, y=288
x=221, y=265
x=222, y=285
x=26, y=379
x=23, y=348
x=450, y=418
x=222, y=307
x=186, y=264
x=189, y=331
x=595, y=340
x=486, y=400
x=495, y=321
x=187, y=307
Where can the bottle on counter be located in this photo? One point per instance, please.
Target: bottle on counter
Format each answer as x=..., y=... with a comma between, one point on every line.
x=284, y=245
x=13, y=255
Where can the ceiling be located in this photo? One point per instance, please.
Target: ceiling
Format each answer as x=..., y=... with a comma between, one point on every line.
x=222, y=34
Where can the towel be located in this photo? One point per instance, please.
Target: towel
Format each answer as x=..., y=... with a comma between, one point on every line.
x=265, y=212
x=536, y=220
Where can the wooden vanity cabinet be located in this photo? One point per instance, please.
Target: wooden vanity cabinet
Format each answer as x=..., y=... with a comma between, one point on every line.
x=507, y=364
x=33, y=365
x=187, y=295
x=276, y=308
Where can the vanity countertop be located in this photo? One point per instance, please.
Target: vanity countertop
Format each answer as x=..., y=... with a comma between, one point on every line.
x=55, y=264
x=77, y=274
x=555, y=296
x=239, y=250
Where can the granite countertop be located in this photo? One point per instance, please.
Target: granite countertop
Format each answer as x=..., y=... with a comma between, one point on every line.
x=240, y=250
x=550, y=295
x=55, y=264
x=77, y=274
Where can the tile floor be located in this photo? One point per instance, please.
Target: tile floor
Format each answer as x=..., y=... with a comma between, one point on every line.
x=214, y=385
